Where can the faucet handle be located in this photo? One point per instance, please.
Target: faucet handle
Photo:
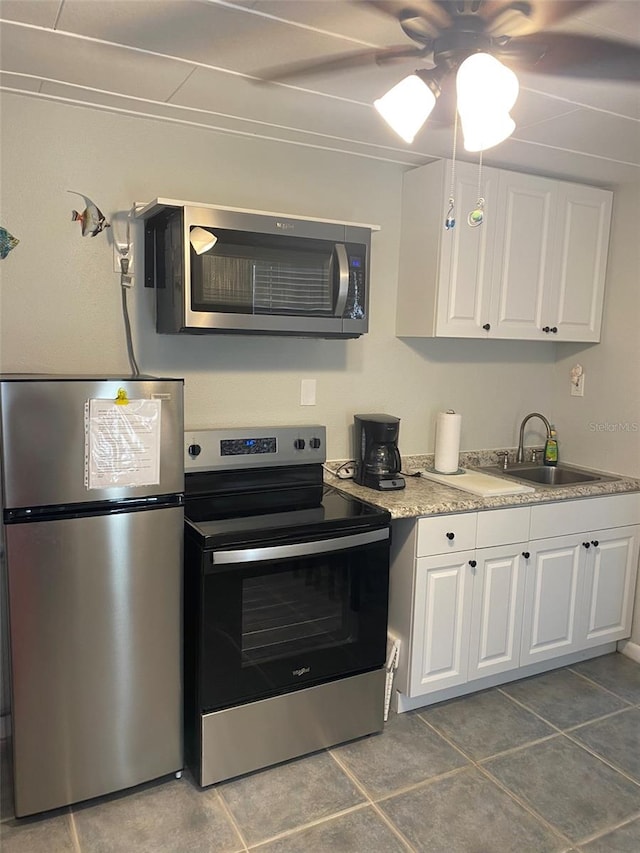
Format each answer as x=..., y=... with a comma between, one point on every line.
x=535, y=453
x=504, y=454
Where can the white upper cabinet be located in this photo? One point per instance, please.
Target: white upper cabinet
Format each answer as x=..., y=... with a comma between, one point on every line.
x=534, y=269
x=574, y=303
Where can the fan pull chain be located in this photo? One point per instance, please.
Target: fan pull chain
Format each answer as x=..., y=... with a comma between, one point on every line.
x=476, y=217
x=450, y=220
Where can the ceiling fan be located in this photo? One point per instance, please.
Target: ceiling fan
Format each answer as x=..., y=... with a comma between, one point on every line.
x=512, y=34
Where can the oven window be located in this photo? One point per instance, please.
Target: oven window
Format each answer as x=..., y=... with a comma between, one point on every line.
x=305, y=608
x=268, y=627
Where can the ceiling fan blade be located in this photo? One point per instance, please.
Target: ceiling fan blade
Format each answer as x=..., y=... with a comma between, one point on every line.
x=523, y=17
x=433, y=15
x=355, y=59
x=572, y=55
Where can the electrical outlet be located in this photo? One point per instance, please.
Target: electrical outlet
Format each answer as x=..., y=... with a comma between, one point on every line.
x=118, y=255
x=346, y=472
x=577, y=388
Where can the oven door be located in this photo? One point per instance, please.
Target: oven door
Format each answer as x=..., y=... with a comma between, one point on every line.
x=279, y=618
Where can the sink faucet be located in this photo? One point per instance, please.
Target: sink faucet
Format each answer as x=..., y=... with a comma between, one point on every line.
x=520, y=453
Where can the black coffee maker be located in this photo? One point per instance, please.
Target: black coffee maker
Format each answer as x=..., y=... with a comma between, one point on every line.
x=377, y=457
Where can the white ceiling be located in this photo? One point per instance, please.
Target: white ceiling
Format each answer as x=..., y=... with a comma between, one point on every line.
x=195, y=61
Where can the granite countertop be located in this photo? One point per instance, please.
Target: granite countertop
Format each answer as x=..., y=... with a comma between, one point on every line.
x=426, y=497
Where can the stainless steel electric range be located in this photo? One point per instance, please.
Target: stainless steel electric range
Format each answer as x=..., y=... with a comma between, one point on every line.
x=286, y=593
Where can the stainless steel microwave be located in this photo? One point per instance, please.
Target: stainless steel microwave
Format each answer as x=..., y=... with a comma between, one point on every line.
x=220, y=269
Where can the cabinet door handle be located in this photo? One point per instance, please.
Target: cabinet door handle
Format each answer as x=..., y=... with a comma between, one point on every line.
x=546, y=329
x=587, y=544
x=554, y=329
x=595, y=543
x=486, y=327
x=526, y=555
x=473, y=563
x=451, y=536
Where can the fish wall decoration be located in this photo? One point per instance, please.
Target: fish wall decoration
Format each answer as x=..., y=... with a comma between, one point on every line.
x=92, y=219
x=7, y=242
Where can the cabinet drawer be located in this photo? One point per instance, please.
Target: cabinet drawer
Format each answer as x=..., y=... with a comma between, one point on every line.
x=445, y=534
x=503, y=526
x=578, y=516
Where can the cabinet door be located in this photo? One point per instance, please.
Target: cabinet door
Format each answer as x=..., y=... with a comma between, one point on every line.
x=610, y=578
x=466, y=255
x=575, y=295
x=496, y=616
x=523, y=256
x=553, y=624
x=441, y=620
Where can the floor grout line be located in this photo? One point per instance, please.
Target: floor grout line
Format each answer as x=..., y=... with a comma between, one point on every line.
x=626, y=822
x=231, y=818
x=604, y=760
x=74, y=832
x=527, y=807
x=372, y=802
x=597, y=684
x=553, y=725
x=476, y=763
x=287, y=833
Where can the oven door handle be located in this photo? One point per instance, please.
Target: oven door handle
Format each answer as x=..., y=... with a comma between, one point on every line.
x=299, y=549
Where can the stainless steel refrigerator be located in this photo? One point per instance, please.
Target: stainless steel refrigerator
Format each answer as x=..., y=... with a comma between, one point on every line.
x=92, y=497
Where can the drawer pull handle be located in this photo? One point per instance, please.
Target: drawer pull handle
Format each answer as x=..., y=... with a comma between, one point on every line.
x=451, y=536
x=526, y=555
x=595, y=543
x=473, y=563
x=487, y=327
x=587, y=544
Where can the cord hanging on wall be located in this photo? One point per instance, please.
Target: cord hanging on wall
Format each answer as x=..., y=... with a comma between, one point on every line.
x=123, y=258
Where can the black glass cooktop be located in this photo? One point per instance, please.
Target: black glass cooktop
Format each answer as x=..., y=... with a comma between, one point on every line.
x=279, y=516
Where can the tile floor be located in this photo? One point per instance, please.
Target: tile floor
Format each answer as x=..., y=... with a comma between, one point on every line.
x=549, y=763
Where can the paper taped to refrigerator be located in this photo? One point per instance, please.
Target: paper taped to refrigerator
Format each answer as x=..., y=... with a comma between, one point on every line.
x=122, y=445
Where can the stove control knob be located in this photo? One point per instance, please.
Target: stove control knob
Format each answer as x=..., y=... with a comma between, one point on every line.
x=299, y=443
x=194, y=450
x=315, y=443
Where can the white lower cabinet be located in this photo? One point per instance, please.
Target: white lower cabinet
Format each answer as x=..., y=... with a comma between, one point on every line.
x=553, y=593
x=580, y=591
x=443, y=598
x=496, y=612
x=609, y=582
x=469, y=603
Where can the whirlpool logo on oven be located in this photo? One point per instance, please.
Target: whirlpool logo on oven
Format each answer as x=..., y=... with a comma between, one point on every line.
x=302, y=671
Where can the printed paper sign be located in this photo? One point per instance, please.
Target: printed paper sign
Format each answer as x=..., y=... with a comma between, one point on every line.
x=122, y=443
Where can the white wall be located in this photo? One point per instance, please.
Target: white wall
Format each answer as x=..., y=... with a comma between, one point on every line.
x=602, y=429
x=61, y=299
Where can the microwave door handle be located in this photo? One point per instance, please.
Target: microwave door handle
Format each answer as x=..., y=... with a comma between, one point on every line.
x=343, y=278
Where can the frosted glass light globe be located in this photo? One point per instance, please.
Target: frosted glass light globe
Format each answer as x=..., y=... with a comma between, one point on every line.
x=406, y=106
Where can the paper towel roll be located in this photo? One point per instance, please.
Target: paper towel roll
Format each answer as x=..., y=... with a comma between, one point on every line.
x=447, y=442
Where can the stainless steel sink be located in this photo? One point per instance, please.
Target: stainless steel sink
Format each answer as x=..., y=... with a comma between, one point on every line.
x=544, y=475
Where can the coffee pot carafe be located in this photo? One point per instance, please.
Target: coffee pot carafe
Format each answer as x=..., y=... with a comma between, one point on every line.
x=377, y=457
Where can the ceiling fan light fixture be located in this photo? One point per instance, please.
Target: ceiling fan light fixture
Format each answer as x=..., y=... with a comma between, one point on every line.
x=486, y=91
x=202, y=240
x=481, y=133
x=406, y=106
